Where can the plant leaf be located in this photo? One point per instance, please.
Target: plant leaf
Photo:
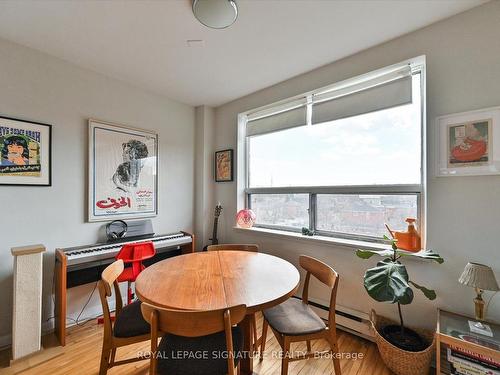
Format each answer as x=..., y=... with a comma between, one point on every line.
x=425, y=254
x=366, y=254
x=407, y=298
x=388, y=282
x=430, y=294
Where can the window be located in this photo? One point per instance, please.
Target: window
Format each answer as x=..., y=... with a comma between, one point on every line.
x=281, y=210
x=343, y=160
x=363, y=214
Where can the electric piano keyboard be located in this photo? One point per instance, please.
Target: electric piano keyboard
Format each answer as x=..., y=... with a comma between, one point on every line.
x=83, y=256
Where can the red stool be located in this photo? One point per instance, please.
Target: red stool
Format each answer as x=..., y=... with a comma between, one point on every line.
x=134, y=254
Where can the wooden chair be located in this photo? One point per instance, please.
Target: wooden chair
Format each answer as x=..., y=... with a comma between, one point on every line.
x=194, y=333
x=242, y=247
x=294, y=320
x=129, y=326
x=238, y=247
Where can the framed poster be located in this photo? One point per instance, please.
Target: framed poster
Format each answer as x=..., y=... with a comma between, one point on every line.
x=123, y=167
x=224, y=165
x=469, y=143
x=25, y=152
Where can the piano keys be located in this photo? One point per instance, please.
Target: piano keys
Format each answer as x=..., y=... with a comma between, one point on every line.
x=84, y=264
x=88, y=254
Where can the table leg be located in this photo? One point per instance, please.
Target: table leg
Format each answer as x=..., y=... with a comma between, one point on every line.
x=247, y=360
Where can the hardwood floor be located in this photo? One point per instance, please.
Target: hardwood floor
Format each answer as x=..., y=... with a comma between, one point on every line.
x=83, y=346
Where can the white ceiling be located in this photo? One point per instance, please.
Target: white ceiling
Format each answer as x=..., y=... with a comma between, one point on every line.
x=145, y=42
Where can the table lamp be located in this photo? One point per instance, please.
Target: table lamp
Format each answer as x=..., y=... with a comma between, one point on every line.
x=481, y=278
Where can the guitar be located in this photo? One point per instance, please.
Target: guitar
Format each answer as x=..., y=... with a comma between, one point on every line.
x=214, y=240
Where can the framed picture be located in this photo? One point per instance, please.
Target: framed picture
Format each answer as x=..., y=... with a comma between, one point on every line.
x=224, y=165
x=123, y=172
x=469, y=143
x=25, y=153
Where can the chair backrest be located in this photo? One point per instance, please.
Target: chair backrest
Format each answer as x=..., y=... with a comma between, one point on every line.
x=192, y=324
x=238, y=247
x=135, y=253
x=326, y=275
x=109, y=279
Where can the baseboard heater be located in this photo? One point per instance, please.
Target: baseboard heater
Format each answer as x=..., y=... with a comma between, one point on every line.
x=349, y=320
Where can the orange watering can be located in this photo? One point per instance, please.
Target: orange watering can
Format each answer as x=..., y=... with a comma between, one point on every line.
x=409, y=240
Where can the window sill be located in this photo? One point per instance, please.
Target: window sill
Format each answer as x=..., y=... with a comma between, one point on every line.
x=314, y=239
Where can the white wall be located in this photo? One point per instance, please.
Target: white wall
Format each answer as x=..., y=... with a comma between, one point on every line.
x=38, y=87
x=463, y=73
x=204, y=198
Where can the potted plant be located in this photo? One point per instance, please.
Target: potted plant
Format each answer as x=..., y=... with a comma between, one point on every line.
x=405, y=351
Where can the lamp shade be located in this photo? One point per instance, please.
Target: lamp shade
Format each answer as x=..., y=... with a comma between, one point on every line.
x=479, y=276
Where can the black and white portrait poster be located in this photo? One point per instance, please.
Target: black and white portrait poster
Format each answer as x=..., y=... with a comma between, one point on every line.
x=123, y=165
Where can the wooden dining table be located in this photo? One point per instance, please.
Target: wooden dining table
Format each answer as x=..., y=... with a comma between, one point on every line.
x=220, y=279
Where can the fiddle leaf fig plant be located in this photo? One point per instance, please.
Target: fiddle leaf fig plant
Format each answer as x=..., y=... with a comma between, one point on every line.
x=389, y=281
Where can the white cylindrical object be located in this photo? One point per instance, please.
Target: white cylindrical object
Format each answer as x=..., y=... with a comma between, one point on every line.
x=27, y=304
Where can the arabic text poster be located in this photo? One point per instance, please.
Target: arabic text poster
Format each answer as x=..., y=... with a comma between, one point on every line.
x=24, y=152
x=123, y=172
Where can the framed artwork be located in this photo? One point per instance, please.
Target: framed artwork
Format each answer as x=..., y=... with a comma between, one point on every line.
x=224, y=165
x=469, y=143
x=25, y=153
x=123, y=172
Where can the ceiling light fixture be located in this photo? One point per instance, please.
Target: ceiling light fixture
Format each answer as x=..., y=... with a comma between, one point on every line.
x=216, y=14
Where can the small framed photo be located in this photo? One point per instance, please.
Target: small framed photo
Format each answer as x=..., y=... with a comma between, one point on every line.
x=224, y=165
x=123, y=172
x=469, y=143
x=25, y=152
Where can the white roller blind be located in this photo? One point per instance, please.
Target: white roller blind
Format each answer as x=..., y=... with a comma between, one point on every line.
x=382, y=92
x=286, y=119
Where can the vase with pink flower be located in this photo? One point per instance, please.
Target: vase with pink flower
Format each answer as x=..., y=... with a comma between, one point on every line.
x=245, y=218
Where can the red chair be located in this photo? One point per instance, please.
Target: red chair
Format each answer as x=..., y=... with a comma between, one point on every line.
x=134, y=254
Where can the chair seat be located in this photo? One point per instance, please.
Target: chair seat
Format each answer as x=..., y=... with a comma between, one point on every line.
x=130, y=322
x=294, y=318
x=128, y=274
x=205, y=355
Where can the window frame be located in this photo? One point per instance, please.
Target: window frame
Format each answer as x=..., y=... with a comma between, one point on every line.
x=312, y=211
x=417, y=66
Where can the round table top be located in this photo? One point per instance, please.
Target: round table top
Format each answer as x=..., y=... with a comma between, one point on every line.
x=218, y=279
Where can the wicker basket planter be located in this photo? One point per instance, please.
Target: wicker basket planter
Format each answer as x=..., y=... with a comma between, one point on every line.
x=400, y=361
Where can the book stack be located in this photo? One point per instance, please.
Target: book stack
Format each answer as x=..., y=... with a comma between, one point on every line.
x=465, y=362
